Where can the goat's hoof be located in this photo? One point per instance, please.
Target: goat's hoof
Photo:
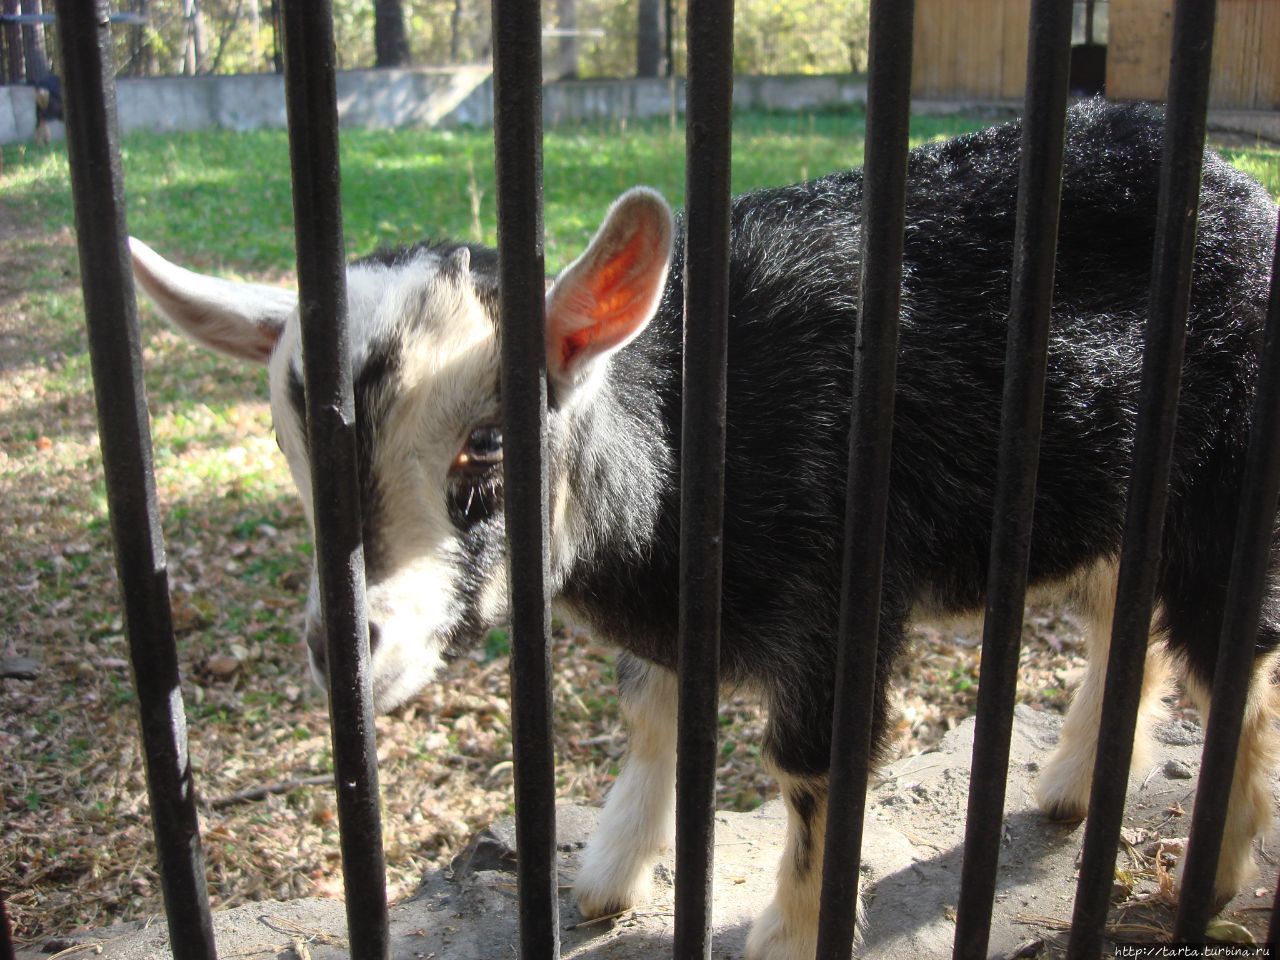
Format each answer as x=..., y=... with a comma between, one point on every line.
x=776, y=937
x=602, y=893
x=1063, y=813
x=1063, y=792
x=1234, y=874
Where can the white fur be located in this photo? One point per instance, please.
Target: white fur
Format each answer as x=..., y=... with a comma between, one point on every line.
x=1067, y=778
x=1251, y=805
x=788, y=927
x=639, y=816
x=442, y=387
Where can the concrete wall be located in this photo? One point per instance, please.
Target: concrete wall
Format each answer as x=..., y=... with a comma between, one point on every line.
x=377, y=99
x=17, y=114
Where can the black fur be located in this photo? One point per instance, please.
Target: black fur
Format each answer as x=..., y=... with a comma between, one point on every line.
x=793, y=305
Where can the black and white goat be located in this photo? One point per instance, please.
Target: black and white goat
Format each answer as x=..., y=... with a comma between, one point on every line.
x=425, y=355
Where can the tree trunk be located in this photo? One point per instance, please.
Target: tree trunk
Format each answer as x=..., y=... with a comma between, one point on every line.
x=196, y=50
x=142, y=61
x=649, y=39
x=455, y=33
x=567, y=49
x=13, y=45
x=391, y=43
x=33, y=52
x=255, y=31
x=229, y=24
x=277, y=32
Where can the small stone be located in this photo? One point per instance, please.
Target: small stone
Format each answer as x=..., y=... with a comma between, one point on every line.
x=1177, y=770
x=221, y=666
x=1028, y=948
x=19, y=668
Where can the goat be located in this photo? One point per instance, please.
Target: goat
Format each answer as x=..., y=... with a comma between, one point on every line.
x=425, y=359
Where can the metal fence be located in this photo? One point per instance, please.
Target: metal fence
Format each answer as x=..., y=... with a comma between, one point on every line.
x=309, y=58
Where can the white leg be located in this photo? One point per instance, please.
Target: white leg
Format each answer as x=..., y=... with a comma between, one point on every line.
x=788, y=928
x=1249, y=810
x=1063, y=790
x=639, y=815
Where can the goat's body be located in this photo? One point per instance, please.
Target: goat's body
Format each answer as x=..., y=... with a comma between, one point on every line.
x=427, y=398
x=793, y=309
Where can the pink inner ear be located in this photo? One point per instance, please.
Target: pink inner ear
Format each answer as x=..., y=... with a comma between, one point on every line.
x=613, y=297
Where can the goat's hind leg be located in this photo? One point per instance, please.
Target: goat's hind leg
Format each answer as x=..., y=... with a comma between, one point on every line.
x=1067, y=779
x=639, y=815
x=788, y=927
x=798, y=750
x=1249, y=811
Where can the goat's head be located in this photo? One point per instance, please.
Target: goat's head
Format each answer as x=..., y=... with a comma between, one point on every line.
x=424, y=357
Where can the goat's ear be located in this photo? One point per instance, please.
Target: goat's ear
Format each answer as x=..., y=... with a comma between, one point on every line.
x=602, y=300
x=243, y=320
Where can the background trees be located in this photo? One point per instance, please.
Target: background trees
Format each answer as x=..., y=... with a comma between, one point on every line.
x=592, y=38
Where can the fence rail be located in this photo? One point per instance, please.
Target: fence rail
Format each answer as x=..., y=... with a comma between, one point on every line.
x=113, y=338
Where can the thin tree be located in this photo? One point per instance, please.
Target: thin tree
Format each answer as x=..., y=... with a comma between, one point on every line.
x=567, y=49
x=390, y=41
x=649, y=34
x=195, y=56
x=142, y=60
x=13, y=44
x=33, y=51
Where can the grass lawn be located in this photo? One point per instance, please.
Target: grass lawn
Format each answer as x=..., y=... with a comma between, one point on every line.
x=76, y=846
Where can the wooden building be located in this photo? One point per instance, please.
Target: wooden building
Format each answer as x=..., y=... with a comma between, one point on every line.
x=978, y=49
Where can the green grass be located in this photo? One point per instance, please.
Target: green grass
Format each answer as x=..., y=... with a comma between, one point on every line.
x=1261, y=163
x=221, y=199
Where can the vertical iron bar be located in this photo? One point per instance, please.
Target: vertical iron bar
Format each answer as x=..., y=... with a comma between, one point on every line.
x=124, y=431
x=1237, y=646
x=1153, y=449
x=870, y=437
x=517, y=93
x=6, y=934
x=708, y=148
x=1031, y=297
x=1273, y=929
x=311, y=102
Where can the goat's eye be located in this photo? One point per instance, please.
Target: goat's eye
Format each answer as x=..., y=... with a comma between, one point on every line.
x=482, y=449
x=474, y=489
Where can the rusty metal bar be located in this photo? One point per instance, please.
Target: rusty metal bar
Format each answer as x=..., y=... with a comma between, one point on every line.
x=874, y=376
x=708, y=148
x=7, y=951
x=1034, y=248
x=517, y=93
x=1153, y=449
x=311, y=101
x=115, y=353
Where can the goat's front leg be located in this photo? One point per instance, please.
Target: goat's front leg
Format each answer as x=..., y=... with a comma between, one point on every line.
x=639, y=816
